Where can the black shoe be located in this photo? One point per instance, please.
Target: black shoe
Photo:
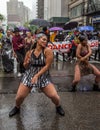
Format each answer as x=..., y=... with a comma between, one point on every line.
x=96, y=87
x=73, y=88
x=60, y=111
x=14, y=111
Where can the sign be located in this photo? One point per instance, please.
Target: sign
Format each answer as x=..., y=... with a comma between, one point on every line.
x=93, y=44
x=65, y=46
x=96, y=19
x=60, y=46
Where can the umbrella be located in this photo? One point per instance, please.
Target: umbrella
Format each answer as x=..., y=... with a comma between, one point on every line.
x=86, y=28
x=21, y=28
x=56, y=29
x=40, y=22
x=70, y=25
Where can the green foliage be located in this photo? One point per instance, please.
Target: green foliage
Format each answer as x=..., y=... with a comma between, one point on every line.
x=26, y=24
x=33, y=28
x=2, y=18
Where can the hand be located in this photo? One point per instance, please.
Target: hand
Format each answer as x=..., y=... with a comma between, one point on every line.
x=82, y=59
x=14, y=55
x=20, y=45
x=34, y=79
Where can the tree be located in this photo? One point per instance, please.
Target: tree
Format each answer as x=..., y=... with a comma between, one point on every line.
x=32, y=28
x=2, y=18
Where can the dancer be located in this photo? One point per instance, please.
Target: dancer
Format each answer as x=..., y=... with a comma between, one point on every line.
x=37, y=63
x=83, y=67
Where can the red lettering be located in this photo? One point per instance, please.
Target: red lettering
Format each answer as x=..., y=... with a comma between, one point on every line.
x=54, y=47
x=59, y=46
x=50, y=46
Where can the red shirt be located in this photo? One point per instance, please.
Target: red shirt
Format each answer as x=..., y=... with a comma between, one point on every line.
x=17, y=42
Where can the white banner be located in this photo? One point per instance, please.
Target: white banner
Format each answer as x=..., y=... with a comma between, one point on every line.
x=65, y=46
x=60, y=46
x=93, y=44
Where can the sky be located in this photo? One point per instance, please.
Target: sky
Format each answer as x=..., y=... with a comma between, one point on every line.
x=29, y=3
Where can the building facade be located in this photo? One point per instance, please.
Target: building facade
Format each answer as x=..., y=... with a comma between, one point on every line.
x=64, y=8
x=17, y=13
x=55, y=8
x=76, y=11
x=56, y=12
x=12, y=13
x=40, y=9
x=93, y=13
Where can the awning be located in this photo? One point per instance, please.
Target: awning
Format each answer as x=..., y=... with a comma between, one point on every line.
x=59, y=19
x=70, y=25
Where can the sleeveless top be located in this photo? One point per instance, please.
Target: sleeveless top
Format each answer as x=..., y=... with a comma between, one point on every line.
x=35, y=65
x=84, y=52
x=37, y=61
x=85, y=67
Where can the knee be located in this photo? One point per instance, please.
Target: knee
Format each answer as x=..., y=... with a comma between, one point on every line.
x=97, y=78
x=19, y=97
x=54, y=96
x=76, y=81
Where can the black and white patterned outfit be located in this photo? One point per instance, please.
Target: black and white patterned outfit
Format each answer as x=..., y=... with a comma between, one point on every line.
x=35, y=65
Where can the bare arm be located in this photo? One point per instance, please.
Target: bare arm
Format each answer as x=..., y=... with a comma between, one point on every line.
x=78, y=51
x=25, y=39
x=89, y=53
x=27, y=58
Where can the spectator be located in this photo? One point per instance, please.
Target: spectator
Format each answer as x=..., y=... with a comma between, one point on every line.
x=18, y=47
x=1, y=35
x=75, y=43
x=97, y=52
x=59, y=37
x=8, y=37
x=24, y=35
x=52, y=36
x=28, y=41
x=47, y=33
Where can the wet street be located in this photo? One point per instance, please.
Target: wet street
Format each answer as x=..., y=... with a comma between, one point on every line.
x=38, y=112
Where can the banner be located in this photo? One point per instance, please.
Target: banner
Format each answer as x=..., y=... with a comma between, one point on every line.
x=93, y=44
x=65, y=46
x=60, y=46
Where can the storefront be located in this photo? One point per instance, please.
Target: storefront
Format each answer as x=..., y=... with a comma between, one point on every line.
x=96, y=21
x=58, y=21
x=93, y=13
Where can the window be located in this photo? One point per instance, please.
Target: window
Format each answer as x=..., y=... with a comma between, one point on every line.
x=77, y=11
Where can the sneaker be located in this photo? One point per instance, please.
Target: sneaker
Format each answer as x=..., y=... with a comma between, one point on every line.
x=73, y=88
x=60, y=111
x=19, y=74
x=14, y=111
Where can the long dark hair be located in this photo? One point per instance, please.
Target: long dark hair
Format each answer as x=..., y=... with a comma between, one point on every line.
x=82, y=38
